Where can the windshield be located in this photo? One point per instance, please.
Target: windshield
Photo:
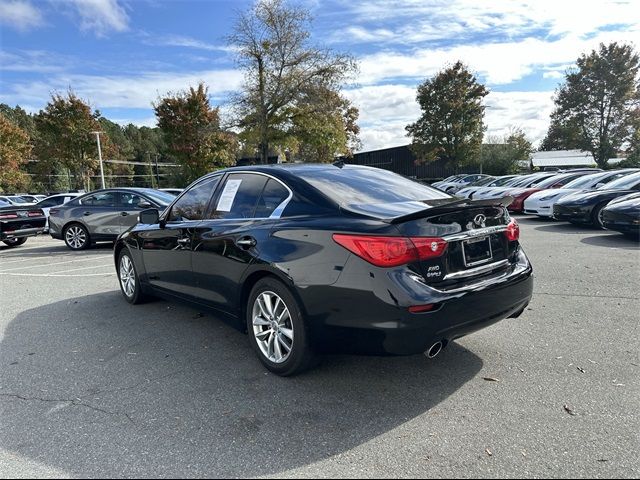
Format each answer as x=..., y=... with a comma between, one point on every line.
x=482, y=181
x=553, y=180
x=625, y=183
x=4, y=203
x=163, y=198
x=366, y=186
x=499, y=182
x=17, y=200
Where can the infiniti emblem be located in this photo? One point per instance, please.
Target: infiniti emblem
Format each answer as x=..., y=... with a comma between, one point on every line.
x=480, y=220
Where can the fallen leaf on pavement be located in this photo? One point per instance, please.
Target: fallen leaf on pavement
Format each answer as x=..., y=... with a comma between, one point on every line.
x=489, y=452
x=581, y=369
x=569, y=410
x=490, y=379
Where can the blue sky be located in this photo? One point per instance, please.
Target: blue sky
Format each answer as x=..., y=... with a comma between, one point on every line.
x=121, y=54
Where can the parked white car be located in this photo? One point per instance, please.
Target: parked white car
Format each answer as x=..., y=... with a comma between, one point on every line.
x=459, y=183
x=524, y=181
x=541, y=203
x=16, y=200
x=467, y=192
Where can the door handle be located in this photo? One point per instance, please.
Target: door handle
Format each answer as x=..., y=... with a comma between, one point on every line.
x=246, y=242
x=86, y=214
x=124, y=214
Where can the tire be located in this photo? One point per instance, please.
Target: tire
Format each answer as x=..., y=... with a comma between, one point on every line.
x=596, y=216
x=76, y=237
x=271, y=338
x=15, y=242
x=128, y=279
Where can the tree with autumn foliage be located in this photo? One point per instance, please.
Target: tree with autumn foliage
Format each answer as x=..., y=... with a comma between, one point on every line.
x=596, y=106
x=192, y=132
x=15, y=149
x=451, y=126
x=65, y=139
x=274, y=109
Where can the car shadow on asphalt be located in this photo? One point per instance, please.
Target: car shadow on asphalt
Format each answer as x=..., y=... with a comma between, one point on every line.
x=616, y=240
x=96, y=387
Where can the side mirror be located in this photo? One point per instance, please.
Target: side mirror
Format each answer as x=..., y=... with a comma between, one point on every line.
x=151, y=216
x=598, y=185
x=144, y=204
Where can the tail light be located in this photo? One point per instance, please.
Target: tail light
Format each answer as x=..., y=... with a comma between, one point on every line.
x=392, y=251
x=8, y=216
x=513, y=231
x=36, y=213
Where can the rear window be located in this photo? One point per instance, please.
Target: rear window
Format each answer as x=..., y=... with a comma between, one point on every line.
x=366, y=186
x=625, y=183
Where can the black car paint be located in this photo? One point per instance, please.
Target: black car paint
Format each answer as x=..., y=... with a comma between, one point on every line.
x=580, y=208
x=349, y=305
x=623, y=215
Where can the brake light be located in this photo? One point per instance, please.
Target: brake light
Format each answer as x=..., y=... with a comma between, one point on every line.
x=513, y=231
x=391, y=251
x=7, y=216
x=36, y=213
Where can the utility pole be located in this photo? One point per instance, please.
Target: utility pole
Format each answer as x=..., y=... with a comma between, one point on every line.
x=157, y=172
x=97, y=134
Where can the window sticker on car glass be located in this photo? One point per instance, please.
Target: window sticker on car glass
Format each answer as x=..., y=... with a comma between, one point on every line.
x=228, y=195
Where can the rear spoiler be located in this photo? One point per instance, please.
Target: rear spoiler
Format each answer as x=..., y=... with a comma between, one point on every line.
x=462, y=204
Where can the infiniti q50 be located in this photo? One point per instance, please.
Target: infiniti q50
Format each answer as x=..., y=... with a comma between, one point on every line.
x=311, y=259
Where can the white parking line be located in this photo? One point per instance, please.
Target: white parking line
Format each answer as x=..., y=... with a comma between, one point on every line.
x=57, y=275
x=83, y=268
x=55, y=263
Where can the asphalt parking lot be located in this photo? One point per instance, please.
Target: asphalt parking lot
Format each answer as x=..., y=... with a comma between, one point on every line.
x=91, y=386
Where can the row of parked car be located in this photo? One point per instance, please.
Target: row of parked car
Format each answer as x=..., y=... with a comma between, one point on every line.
x=604, y=199
x=105, y=214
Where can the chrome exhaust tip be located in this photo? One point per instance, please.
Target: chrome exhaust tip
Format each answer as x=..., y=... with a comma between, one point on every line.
x=434, y=350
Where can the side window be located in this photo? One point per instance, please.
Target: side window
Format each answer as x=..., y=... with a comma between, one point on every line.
x=193, y=204
x=103, y=199
x=50, y=202
x=239, y=197
x=130, y=200
x=273, y=195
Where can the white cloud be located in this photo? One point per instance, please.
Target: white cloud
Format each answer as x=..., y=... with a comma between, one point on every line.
x=20, y=14
x=100, y=16
x=32, y=61
x=499, y=63
x=385, y=111
x=418, y=20
x=186, y=42
x=122, y=91
x=138, y=122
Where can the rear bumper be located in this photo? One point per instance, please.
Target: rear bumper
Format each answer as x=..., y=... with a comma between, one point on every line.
x=378, y=322
x=25, y=232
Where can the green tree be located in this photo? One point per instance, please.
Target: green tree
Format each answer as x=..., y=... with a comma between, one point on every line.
x=325, y=125
x=15, y=149
x=280, y=63
x=192, y=132
x=599, y=97
x=65, y=139
x=561, y=135
x=501, y=155
x=116, y=146
x=451, y=126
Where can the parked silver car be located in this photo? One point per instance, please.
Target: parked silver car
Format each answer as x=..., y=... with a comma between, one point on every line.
x=102, y=215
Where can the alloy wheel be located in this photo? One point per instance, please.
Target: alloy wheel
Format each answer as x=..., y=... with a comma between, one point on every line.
x=272, y=327
x=127, y=276
x=76, y=237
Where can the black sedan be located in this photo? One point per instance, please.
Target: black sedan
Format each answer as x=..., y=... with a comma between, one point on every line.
x=102, y=215
x=587, y=207
x=19, y=223
x=623, y=215
x=323, y=258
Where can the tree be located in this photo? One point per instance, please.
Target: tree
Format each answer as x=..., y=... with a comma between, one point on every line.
x=561, y=136
x=14, y=153
x=325, y=124
x=115, y=146
x=451, y=126
x=280, y=63
x=192, y=132
x=65, y=139
x=501, y=155
x=599, y=97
